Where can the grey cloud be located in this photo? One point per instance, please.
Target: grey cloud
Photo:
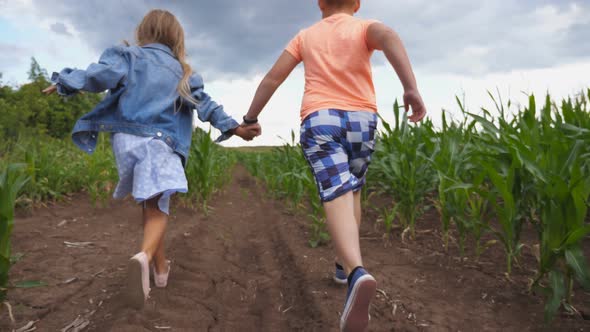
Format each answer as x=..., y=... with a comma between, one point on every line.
x=12, y=55
x=576, y=43
x=234, y=38
x=60, y=29
x=467, y=37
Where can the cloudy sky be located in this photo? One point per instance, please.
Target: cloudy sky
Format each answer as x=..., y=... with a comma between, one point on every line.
x=458, y=47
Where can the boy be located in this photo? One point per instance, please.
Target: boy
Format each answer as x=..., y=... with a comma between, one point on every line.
x=338, y=126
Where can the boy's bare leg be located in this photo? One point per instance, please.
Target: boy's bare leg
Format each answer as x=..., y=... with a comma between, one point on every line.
x=357, y=215
x=154, y=227
x=344, y=230
x=357, y=208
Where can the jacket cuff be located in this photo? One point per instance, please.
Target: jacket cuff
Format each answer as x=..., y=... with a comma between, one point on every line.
x=226, y=128
x=62, y=90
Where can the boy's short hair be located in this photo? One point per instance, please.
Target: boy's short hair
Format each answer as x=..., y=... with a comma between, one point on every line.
x=340, y=3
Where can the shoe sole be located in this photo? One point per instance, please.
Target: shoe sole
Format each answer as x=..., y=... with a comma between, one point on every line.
x=155, y=278
x=355, y=317
x=134, y=290
x=340, y=281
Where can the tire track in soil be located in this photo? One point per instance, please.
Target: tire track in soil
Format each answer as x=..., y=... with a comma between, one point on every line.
x=232, y=271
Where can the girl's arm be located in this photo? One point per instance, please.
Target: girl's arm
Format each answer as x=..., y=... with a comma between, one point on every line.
x=108, y=73
x=381, y=37
x=209, y=111
x=271, y=82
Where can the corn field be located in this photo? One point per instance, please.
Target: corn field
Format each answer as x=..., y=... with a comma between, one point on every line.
x=491, y=173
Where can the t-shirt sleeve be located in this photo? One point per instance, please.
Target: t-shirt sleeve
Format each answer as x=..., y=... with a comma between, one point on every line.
x=294, y=47
x=366, y=25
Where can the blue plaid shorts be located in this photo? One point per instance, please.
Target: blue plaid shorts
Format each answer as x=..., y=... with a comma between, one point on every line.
x=338, y=146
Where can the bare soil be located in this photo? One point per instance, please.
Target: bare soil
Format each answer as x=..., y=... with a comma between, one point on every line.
x=247, y=267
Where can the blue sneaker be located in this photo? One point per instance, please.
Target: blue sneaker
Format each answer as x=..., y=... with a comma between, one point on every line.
x=361, y=290
x=340, y=276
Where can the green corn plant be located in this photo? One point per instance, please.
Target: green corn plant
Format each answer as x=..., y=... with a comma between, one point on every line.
x=575, y=112
x=319, y=234
x=477, y=214
x=508, y=153
x=200, y=166
x=464, y=206
x=388, y=216
x=563, y=230
x=504, y=202
x=400, y=169
x=294, y=175
x=451, y=161
x=207, y=168
x=40, y=189
x=12, y=180
x=564, y=193
x=319, y=229
x=100, y=172
x=287, y=174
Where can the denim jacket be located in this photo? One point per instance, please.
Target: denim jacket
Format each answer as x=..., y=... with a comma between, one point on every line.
x=142, y=98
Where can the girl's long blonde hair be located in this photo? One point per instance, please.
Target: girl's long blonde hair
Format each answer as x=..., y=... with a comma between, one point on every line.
x=161, y=26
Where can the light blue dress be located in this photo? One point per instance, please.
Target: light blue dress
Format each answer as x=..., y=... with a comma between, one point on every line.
x=147, y=167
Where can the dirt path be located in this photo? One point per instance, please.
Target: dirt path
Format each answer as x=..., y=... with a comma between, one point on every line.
x=247, y=267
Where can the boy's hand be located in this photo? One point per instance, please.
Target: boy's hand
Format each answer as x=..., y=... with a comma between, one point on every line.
x=49, y=90
x=413, y=100
x=248, y=132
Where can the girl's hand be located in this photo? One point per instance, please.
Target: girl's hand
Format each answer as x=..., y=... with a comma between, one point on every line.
x=50, y=90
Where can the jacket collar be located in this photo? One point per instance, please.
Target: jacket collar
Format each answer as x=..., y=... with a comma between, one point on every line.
x=160, y=47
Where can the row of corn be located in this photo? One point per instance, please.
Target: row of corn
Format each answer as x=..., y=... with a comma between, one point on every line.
x=489, y=175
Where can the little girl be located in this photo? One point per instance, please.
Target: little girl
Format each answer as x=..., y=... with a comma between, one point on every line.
x=152, y=92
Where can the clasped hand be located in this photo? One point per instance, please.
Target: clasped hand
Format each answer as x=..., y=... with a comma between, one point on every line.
x=248, y=131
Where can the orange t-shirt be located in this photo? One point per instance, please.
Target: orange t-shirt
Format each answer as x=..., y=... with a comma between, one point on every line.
x=337, y=64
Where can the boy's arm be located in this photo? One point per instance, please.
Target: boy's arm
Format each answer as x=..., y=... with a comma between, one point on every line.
x=381, y=37
x=209, y=111
x=271, y=82
x=108, y=73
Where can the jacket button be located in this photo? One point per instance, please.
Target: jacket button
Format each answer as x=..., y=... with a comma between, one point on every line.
x=159, y=134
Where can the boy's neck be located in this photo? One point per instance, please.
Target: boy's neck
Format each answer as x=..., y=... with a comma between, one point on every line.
x=329, y=12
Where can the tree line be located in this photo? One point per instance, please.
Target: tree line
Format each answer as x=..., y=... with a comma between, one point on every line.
x=24, y=110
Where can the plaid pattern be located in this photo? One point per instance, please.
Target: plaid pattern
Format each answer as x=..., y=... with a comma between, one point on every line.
x=338, y=146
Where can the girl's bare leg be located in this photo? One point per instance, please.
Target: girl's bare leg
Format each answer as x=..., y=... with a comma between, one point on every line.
x=154, y=228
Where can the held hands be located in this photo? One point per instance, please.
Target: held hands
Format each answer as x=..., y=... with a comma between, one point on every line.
x=413, y=100
x=248, y=131
x=50, y=90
